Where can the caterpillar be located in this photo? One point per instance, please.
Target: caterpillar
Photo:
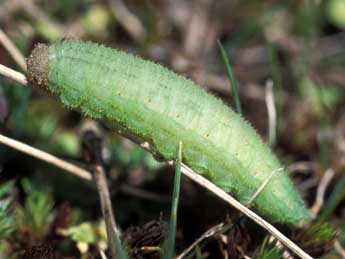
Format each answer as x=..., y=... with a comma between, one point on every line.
x=149, y=103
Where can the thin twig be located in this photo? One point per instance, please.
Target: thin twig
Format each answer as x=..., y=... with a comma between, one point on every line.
x=210, y=232
x=103, y=256
x=107, y=211
x=250, y=214
x=321, y=190
x=14, y=75
x=93, y=147
x=233, y=202
x=339, y=248
x=263, y=185
x=12, y=50
x=272, y=114
x=220, y=227
x=82, y=173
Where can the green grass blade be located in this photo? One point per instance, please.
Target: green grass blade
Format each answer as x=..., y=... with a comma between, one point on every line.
x=6, y=219
x=5, y=188
x=335, y=198
x=268, y=251
x=173, y=217
x=120, y=250
x=231, y=78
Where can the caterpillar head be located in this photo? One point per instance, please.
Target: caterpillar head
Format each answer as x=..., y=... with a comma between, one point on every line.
x=38, y=66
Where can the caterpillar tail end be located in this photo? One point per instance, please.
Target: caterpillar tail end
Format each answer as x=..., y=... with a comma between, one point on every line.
x=38, y=66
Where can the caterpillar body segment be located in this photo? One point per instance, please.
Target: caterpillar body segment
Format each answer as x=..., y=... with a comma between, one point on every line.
x=147, y=102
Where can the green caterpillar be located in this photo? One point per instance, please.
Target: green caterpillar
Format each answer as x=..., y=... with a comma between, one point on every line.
x=148, y=103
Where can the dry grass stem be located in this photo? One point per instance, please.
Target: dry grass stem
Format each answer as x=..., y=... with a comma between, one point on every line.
x=106, y=206
x=103, y=256
x=339, y=248
x=250, y=214
x=210, y=232
x=321, y=190
x=219, y=227
x=14, y=75
x=263, y=185
x=12, y=50
x=82, y=173
x=272, y=114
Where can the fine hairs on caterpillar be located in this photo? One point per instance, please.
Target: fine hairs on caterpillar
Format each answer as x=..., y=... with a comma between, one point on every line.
x=149, y=103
